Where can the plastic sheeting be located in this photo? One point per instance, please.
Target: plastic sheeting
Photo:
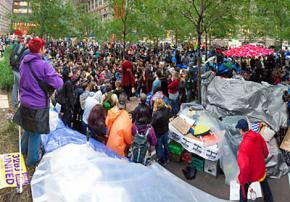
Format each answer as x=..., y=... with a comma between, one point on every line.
x=228, y=97
x=276, y=166
x=79, y=173
x=63, y=135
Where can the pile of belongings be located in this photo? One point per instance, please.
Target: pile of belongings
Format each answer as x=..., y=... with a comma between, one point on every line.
x=197, y=131
x=261, y=104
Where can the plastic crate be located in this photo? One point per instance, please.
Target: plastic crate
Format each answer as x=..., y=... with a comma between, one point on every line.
x=175, y=148
x=197, y=162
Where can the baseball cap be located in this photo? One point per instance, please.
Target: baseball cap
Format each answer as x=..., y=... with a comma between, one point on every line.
x=242, y=124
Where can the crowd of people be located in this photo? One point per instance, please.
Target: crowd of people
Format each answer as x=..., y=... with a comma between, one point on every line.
x=99, y=79
x=92, y=84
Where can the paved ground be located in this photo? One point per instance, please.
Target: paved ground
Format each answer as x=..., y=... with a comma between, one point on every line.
x=217, y=187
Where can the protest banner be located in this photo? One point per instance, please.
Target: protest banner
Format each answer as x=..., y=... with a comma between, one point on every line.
x=10, y=170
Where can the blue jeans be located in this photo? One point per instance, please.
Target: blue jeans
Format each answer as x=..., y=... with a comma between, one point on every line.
x=162, y=147
x=15, y=88
x=30, y=145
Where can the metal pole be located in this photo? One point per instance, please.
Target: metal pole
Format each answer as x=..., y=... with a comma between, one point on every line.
x=20, y=188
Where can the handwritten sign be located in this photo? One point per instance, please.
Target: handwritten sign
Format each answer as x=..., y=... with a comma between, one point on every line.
x=10, y=170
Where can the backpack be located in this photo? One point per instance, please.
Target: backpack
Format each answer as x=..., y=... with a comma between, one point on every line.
x=15, y=57
x=139, y=148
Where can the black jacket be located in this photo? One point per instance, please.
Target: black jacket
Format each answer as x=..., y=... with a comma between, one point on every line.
x=160, y=121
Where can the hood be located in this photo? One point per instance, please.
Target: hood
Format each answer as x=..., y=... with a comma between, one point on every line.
x=251, y=136
x=98, y=96
x=31, y=56
x=113, y=114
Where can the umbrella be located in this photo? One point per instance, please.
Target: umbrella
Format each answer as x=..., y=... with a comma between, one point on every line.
x=248, y=51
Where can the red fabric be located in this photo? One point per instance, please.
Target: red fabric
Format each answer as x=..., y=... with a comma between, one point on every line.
x=127, y=74
x=173, y=86
x=248, y=51
x=251, y=158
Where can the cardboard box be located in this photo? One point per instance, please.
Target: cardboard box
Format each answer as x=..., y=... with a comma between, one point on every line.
x=211, y=167
x=285, y=145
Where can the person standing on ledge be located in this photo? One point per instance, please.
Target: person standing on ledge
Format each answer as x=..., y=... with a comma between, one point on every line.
x=33, y=113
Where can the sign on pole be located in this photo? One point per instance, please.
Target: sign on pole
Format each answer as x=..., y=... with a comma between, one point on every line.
x=10, y=169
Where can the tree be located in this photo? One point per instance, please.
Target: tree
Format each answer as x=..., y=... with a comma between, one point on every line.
x=123, y=23
x=86, y=23
x=274, y=18
x=53, y=18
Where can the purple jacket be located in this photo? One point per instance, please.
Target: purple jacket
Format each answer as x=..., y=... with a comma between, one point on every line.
x=143, y=128
x=31, y=95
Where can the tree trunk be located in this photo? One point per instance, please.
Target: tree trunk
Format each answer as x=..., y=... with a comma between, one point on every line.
x=206, y=43
x=124, y=39
x=176, y=37
x=199, y=65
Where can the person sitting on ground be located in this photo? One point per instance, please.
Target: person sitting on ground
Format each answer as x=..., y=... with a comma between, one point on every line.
x=119, y=125
x=160, y=121
x=97, y=123
x=253, y=148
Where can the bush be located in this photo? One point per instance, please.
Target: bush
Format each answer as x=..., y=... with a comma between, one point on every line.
x=6, y=75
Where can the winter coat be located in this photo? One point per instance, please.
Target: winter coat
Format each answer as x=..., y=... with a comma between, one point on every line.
x=119, y=127
x=160, y=121
x=251, y=158
x=173, y=86
x=31, y=95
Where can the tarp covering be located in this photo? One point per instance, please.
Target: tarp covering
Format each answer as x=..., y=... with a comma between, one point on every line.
x=79, y=173
x=72, y=170
x=229, y=97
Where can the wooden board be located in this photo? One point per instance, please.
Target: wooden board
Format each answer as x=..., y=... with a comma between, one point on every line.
x=181, y=125
x=286, y=141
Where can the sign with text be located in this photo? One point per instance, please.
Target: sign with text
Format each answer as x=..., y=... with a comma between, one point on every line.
x=10, y=170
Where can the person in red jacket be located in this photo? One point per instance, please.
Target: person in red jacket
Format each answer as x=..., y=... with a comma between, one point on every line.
x=127, y=77
x=173, y=92
x=251, y=160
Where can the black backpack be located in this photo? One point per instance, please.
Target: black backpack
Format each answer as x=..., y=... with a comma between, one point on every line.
x=139, y=148
x=15, y=57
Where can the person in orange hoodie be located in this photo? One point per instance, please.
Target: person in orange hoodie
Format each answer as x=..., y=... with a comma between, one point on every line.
x=119, y=126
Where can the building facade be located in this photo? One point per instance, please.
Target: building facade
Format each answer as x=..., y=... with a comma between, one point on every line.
x=21, y=8
x=100, y=6
x=5, y=10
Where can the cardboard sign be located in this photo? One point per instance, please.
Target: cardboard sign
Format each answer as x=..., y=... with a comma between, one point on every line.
x=4, y=102
x=181, y=125
x=286, y=141
x=10, y=170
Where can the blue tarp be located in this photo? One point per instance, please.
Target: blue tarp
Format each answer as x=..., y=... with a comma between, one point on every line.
x=64, y=135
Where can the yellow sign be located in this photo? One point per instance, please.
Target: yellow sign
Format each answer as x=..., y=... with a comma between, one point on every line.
x=10, y=170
